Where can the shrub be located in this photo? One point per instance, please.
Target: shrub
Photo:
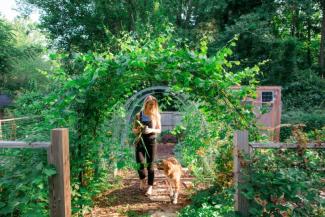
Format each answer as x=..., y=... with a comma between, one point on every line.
x=282, y=183
x=210, y=202
x=313, y=120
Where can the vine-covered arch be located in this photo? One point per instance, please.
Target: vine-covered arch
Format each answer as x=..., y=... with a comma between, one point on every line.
x=108, y=81
x=132, y=104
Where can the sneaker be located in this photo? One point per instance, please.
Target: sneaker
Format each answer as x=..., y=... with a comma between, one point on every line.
x=142, y=184
x=149, y=191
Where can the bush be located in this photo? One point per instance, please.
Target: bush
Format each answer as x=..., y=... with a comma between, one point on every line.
x=305, y=92
x=312, y=120
x=210, y=202
x=282, y=183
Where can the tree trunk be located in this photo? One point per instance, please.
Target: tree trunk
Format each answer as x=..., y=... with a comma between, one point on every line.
x=188, y=13
x=179, y=13
x=144, y=13
x=132, y=15
x=321, y=48
x=309, y=42
x=294, y=21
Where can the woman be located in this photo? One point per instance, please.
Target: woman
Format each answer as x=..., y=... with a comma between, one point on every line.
x=149, y=117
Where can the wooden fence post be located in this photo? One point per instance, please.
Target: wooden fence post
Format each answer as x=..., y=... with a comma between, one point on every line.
x=59, y=184
x=240, y=148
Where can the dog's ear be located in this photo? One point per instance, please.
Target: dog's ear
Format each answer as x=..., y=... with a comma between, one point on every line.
x=173, y=160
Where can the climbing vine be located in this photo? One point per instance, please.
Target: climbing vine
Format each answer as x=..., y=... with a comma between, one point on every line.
x=85, y=101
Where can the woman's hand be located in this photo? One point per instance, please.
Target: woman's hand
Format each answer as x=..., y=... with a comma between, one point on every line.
x=137, y=130
x=148, y=130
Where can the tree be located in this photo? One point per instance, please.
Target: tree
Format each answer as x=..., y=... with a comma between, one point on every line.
x=322, y=39
x=286, y=33
x=93, y=24
x=21, y=56
x=6, y=51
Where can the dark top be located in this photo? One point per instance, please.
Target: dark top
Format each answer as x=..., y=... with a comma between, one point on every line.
x=146, y=120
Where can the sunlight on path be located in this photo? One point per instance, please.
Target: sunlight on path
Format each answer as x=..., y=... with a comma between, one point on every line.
x=129, y=200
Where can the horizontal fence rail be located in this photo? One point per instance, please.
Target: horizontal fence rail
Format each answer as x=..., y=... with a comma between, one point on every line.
x=16, y=119
x=20, y=144
x=285, y=145
x=13, y=124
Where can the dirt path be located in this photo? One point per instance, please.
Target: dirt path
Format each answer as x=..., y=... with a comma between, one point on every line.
x=129, y=200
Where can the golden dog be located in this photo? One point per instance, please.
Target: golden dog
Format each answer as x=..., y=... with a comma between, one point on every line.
x=173, y=172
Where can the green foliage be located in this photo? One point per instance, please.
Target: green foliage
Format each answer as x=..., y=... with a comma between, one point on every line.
x=283, y=183
x=305, y=92
x=24, y=173
x=23, y=183
x=21, y=57
x=196, y=143
x=7, y=50
x=107, y=20
x=287, y=33
x=204, y=147
x=210, y=202
x=312, y=120
x=29, y=62
x=87, y=90
x=91, y=103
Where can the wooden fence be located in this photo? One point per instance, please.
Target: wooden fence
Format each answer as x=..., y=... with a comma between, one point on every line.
x=12, y=122
x=243, y=148
x=58, y=155
x=169, y=119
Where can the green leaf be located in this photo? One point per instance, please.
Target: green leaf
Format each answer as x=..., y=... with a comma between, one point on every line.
x=39, y=166
x=49, y=171
x=120, y=164
x=53, y=56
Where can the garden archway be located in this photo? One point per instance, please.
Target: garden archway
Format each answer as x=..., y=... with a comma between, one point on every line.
x=109, y=82
x=134, y=102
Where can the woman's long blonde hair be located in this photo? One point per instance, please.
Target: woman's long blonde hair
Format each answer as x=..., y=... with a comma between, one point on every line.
x=153, y=112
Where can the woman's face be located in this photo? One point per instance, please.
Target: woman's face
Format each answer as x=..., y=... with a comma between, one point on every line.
x=150, y=104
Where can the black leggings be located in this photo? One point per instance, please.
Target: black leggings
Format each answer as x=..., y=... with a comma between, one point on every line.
x=141, y=157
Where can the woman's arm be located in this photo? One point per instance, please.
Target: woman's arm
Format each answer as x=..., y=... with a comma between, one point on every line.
x=156, y=129
x=136, y=129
